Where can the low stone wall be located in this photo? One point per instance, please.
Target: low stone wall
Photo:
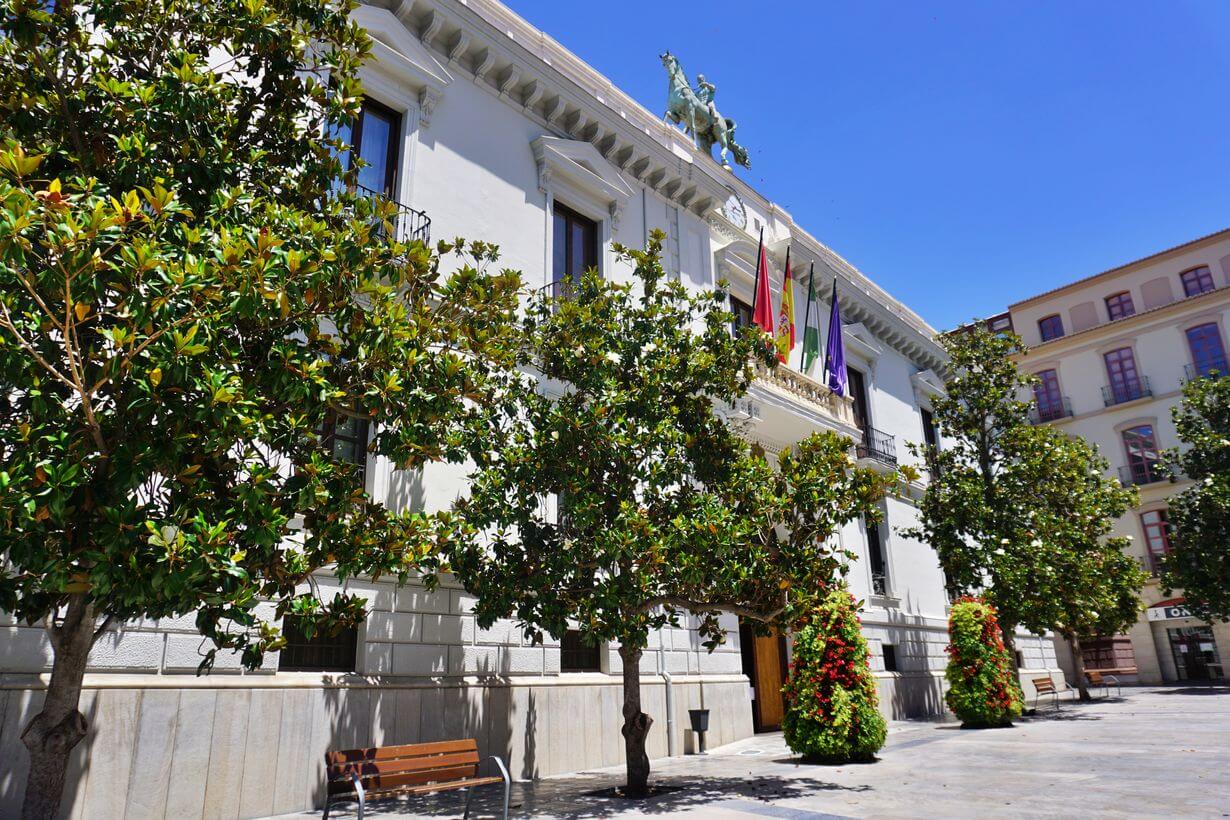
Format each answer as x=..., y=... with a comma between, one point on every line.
x=252, y=746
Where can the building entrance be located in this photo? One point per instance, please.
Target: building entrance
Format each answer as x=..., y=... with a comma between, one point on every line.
x=1195, y=653
x=764, y=663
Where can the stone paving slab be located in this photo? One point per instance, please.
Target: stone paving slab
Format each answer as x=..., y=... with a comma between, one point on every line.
x=1158, y=752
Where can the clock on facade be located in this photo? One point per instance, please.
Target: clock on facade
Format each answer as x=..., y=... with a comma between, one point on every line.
x=734, y=211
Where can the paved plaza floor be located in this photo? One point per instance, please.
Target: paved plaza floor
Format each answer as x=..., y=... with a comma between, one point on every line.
x=1159, y=752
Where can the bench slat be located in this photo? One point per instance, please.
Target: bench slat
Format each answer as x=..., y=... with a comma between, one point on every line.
x=393, y=752
x=365, y=768
x=383, y=782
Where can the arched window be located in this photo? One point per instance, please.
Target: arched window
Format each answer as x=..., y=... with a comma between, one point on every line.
x=1197, y=280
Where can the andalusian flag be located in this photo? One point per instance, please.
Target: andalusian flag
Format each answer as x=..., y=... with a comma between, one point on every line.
x=785, y=319
x=811, y=332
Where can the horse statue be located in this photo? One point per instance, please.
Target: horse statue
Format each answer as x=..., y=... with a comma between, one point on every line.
x=695, y=111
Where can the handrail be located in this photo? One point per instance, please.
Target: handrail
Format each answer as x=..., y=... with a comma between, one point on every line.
x=408, y=224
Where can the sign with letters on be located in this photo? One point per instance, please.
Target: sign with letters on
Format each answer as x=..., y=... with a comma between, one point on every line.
x=1168, y=613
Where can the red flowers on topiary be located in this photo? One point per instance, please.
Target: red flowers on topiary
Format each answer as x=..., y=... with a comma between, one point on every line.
x=832, y=712
x=983, y=690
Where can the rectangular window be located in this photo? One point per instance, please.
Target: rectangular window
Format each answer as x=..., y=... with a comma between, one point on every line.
x=1144, y=460
x=875, y=558
x=320, y=653
x=1197, y=280
x=374, y=139
x=575, y=248
x=1051, y=327
x=1120, y=306
x=1046, y=393
x=1157, y=537
x=890, y=657
x=858, y=392
x=345, y=438
x=1208, y=354
x=930, y=436
x=1125, y=384
x=576, y=655
x=1108, y=653
x=743, y=314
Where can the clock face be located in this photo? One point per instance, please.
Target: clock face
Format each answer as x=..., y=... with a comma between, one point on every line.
x=734, y=211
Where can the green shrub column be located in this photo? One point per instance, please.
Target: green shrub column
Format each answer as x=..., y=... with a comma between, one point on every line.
x=983, y=690
x=832, y=705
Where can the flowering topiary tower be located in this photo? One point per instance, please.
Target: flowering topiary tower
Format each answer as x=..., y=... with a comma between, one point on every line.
x=983, y=691
x=832, y=711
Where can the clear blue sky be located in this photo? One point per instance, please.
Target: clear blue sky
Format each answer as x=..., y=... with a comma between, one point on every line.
x=963, y=154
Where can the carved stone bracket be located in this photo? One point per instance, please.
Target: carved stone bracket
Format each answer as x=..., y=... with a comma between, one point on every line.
x=428, y=98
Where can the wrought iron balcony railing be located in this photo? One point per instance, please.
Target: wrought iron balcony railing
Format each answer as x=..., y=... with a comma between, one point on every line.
x=1148, y=472
x=1206, y=370
x=878, y=445
x=1126, y=391
x=879, y=583
x=1050, y=411
x=407, y=223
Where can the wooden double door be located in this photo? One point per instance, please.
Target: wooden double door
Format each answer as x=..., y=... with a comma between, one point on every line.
x=764, y=663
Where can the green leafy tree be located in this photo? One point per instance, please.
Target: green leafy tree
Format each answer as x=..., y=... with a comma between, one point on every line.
x=982, y=687
x=1200, y=561
x=662, y=507
x=1021, y=512
x=832, y=703
x=1090, y=585
x=187, y=300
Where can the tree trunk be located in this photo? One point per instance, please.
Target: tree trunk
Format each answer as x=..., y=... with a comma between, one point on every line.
x=1078, y=662
x=636, y=725
x=52, y=734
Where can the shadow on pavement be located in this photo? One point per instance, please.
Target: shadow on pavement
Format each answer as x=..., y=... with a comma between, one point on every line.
x=1210, y=689
x=572, y=797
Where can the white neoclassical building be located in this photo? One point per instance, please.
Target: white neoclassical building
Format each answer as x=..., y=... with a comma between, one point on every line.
x=484, y=127
x=1111, y=352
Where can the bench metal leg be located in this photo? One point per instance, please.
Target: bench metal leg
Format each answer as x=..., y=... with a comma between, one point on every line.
x=507, y=782
x=469, y=797
x=358, y=788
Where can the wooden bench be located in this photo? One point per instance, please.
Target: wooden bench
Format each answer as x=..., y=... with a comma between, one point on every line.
x=420, y=768
x=1046, y=686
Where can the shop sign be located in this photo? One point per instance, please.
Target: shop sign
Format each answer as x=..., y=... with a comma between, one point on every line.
x=1168, y=613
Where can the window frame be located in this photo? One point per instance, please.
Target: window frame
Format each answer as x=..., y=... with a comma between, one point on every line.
x=1125, y=388
x=1218, y=362
x=361, y=440
x=1139, y=462
x=1200, y=280
x=1052, y=408
x=1121, y=302
x=572, y=216
x=1042, y=325
x=1163, y=532
x=591, y=655
x=394, y=152
x=346, y=641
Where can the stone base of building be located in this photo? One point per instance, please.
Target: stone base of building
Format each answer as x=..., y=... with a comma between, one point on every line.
x=253, y=746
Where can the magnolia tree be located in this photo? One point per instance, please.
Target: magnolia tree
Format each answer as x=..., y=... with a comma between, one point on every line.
x=662, y=507
x=1200, y=561
x=190, y=306
x=1020, y=512
x=1089, y=586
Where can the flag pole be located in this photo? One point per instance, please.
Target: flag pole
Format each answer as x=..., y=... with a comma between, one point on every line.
x=756, y=275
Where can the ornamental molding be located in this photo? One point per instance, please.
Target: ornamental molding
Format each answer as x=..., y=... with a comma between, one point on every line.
x=580, y=172
x=568, y=98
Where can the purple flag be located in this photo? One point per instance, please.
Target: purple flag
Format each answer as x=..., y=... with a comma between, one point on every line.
x=835, y=350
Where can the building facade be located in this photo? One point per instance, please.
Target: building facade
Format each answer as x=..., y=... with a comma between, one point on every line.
x=1112, y=352
x=484, y=127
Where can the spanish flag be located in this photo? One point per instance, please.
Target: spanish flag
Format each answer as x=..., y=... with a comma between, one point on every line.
x=785, y=320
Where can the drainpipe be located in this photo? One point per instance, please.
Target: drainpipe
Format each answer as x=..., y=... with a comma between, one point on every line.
x=670, y=700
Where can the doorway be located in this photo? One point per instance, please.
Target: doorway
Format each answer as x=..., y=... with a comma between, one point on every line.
x=764, y=663
x=1195, y=653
